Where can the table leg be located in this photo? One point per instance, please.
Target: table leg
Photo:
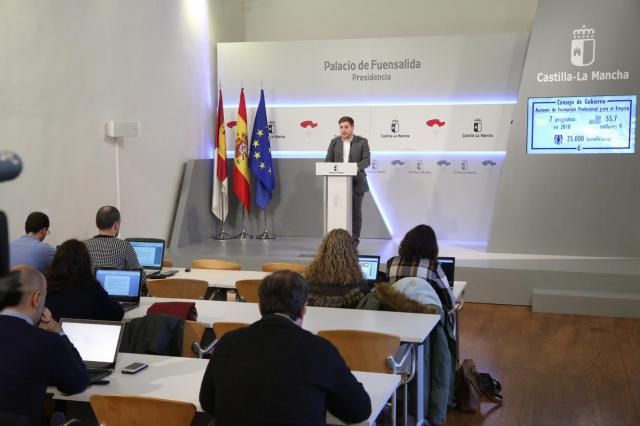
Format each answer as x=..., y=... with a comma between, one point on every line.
x=420, y=414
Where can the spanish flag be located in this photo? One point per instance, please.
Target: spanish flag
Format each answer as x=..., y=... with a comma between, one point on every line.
x=241, y=161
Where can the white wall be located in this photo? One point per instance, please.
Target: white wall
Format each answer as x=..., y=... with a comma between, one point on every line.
x=67, y=67
x=269, y=20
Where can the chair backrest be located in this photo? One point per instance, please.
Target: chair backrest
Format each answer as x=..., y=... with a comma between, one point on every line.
x=248, y=290
x=364, y=350
x=215, y=264
x=167, y=263
x=222, y=328
x=111, y=410
x=181, y=288
x=272, y=267
x=193, y=332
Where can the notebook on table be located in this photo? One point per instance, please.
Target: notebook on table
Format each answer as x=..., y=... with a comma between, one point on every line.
x=123, y=285
x=369, y=265
x=448, y=265
x=97, y=343
x=150, y=253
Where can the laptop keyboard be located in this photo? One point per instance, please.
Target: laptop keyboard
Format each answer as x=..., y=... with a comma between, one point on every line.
x=96, y=374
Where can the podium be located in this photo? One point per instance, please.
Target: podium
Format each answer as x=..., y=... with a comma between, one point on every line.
x=338, y=184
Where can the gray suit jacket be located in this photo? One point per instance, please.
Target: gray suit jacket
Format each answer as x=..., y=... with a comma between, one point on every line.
x=359, y=153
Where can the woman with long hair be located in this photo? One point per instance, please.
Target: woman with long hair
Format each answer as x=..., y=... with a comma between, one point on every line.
x=334, y=275
x=418, y=257
x=72, y=289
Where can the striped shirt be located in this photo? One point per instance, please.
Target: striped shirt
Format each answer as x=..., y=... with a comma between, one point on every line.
x=111, y=252
x=400, y=267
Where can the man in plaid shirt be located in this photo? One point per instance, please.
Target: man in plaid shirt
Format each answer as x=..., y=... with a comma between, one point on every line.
x=106, y=249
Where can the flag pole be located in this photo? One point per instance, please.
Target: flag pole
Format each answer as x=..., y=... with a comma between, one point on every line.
x=265, y=234
x=223, y=235
x=243, y=235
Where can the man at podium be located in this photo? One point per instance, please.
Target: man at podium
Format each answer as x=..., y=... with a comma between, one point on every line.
x=357, y=148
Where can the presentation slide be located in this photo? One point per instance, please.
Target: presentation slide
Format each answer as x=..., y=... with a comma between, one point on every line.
x=582, y=125
x=117, y=285
x=94, y=342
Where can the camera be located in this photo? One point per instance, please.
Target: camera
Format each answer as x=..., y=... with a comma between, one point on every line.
x=10, y=294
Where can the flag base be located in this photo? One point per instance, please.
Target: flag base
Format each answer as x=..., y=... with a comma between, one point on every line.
x=265, y=236
x=243, y=236
x=223, y=235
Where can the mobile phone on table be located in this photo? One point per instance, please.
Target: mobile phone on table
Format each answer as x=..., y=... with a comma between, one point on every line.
x=134, y=368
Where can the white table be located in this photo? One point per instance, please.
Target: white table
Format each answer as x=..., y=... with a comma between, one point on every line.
x=412, y=328
x=166, y=377
x=219, y=278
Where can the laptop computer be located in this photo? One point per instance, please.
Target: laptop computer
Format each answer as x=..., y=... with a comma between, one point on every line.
x=150, y=252
x=123, y=285
x=369, y=266
x=97, y=343
x=448, y=265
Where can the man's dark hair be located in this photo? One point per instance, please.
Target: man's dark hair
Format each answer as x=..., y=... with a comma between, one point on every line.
x=35, y=222
x=283, y=292
x=106, y=217
x=420, y=243
x=347, y=119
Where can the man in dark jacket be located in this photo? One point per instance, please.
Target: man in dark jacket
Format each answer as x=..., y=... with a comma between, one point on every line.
x=35, y=354
x=349, y=148
x=274, y=372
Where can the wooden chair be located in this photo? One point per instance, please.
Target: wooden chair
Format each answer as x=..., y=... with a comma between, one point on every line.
x=215, y=264
x=181, y=288
x=111, y=410
x=368, y=351
x=272, y=267
x=222, y=328
x=248, y=290
x=219, y=329
x=193, y=332
x=167, y=263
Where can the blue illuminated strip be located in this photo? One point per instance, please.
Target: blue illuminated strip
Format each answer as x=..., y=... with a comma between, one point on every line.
x=382, y=103
x=380, y=206
x=322, y=154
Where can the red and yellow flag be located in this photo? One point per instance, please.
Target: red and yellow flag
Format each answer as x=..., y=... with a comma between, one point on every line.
x=241, y=161
x=220, y=200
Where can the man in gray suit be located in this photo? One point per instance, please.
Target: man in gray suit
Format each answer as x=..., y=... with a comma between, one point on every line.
x=358, y=152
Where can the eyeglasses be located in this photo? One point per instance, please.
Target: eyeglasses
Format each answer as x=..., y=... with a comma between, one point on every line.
x=48, y=232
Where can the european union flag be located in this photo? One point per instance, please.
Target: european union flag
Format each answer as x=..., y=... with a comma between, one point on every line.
x=260, y=162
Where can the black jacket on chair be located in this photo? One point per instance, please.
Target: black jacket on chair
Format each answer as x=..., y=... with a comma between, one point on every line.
x=358, y=153
x=274, y=372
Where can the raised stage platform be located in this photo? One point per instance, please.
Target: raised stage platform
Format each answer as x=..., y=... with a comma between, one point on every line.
x=564, y=284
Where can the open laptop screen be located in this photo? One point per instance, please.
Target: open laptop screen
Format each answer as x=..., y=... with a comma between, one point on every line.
x=448, y=265
x=150, y=252
x=97, y=342
x=369, y=266
x=122, y=284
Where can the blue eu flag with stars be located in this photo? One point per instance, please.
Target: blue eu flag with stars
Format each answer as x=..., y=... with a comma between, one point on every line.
x=260, y=162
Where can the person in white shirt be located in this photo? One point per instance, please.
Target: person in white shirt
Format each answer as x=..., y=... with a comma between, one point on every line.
x=357, y=151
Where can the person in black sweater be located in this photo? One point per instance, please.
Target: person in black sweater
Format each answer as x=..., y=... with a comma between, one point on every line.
x=34, y=354
x=73, y=291
x=274, y=372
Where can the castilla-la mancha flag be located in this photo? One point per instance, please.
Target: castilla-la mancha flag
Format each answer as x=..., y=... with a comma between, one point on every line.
x=220, y=201
x=241, y=161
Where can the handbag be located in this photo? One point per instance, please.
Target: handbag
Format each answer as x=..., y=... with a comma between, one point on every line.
x=184, y=310
x=467, y=395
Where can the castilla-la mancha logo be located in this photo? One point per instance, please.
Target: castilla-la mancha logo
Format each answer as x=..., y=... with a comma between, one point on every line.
x=583, y=46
